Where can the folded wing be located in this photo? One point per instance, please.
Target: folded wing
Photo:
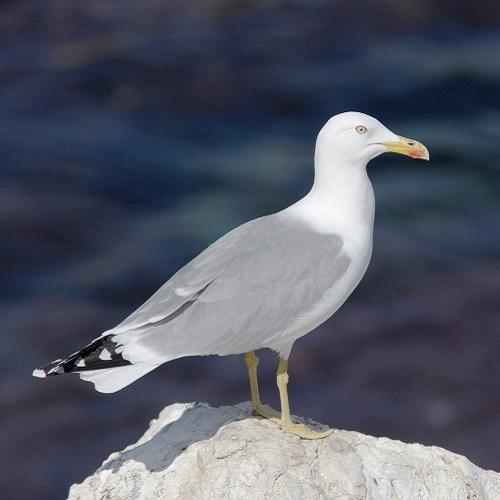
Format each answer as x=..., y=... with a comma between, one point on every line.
x=237, y=295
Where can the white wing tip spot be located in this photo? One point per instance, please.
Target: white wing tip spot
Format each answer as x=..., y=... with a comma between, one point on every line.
x=105, y=355
x=39, y=373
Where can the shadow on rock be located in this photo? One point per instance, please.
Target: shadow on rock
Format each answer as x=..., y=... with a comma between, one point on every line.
x=173, y=431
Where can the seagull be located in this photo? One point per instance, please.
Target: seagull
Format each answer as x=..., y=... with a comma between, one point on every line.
x=264, y=284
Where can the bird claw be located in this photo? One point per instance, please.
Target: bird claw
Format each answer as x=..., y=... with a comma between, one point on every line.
x=266, y=411
x=303, y=431
x=300, y=430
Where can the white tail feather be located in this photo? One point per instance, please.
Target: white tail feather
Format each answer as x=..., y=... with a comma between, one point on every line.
x=113, y=379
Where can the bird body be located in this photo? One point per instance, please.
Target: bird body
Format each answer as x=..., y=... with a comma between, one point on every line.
x=264, y=284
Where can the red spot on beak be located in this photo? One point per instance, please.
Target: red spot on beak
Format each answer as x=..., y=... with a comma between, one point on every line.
x=415, y=154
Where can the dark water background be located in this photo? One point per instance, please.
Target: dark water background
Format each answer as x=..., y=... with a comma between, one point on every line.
x=132, y=134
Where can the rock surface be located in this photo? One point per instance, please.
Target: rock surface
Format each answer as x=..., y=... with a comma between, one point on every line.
x=194, y=451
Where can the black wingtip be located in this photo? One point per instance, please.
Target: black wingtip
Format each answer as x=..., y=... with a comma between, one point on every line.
x=100, y=354
x=54, y=368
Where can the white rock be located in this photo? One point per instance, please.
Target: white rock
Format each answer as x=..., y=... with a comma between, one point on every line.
x=194, y=451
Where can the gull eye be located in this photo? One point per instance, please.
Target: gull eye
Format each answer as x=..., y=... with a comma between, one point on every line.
x=361, y=129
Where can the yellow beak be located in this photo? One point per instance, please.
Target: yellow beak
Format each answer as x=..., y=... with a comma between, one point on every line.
x=408, y=147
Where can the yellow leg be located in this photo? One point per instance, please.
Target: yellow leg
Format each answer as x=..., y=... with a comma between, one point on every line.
x=286, y=422
x=252, y=361
x=282, y=380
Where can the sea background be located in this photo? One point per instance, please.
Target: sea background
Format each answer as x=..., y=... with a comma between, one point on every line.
x=133, y=134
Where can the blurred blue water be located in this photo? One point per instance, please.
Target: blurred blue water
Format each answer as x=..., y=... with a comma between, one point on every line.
x=132, y=136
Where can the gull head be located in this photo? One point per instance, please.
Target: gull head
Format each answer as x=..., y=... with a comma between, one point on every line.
x=356, y=138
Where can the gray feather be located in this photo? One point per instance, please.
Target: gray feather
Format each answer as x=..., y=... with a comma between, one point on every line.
x=242, y=291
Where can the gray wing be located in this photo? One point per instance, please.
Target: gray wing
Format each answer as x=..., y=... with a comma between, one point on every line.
x=249, y=285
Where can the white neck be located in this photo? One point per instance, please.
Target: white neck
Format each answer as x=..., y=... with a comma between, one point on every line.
x=341, y=200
